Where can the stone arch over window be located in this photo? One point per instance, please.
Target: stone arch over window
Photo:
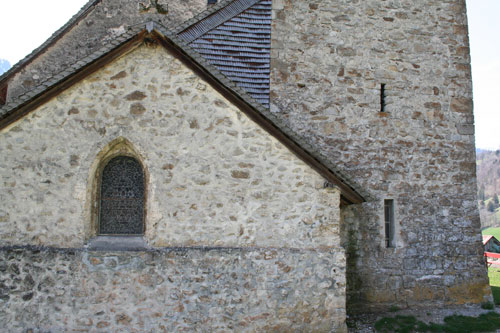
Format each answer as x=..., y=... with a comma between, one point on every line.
x=119, y=191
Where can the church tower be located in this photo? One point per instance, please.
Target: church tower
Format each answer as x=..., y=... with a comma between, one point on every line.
x=384, y=90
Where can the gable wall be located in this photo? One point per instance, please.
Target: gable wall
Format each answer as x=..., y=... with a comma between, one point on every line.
x=243, y=235
x=328, y=61
x=214, y=177
x=108, y=19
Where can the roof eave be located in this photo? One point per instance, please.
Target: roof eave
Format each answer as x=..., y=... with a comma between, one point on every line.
x=200, y=66
x=34, y=98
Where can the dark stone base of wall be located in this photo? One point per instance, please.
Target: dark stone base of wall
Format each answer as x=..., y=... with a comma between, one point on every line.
x=417, y=288
x=172, y=289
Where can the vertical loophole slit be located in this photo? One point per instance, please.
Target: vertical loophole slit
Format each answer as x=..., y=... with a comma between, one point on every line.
x=389, y=222
x=382, y=97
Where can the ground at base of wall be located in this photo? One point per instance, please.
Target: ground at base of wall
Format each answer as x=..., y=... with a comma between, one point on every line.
x=364, y=323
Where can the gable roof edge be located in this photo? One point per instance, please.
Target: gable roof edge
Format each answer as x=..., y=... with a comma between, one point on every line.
x=268, y=121
x=207, y=12
x=210, y=19
x=22, y=105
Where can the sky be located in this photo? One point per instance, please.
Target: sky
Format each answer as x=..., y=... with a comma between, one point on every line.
x=20, y=38
x=484, y=35
x=26, y=24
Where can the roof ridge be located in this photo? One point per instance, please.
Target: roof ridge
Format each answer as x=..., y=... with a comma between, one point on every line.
x=250, y=41
x=212, y=17
x=200, y=16
x=72, y=21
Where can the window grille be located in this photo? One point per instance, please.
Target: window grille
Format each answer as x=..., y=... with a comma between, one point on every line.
x=122, y=198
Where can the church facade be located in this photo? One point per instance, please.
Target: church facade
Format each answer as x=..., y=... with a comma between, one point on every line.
x=263, y=165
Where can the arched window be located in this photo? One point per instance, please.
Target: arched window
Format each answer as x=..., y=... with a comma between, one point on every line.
x=121, y=209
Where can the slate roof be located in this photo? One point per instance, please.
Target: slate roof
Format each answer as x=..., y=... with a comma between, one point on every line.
x=237, y=40
x=233, y=35
x=259, y=113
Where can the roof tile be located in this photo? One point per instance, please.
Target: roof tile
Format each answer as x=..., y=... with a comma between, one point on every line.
x=237, y=40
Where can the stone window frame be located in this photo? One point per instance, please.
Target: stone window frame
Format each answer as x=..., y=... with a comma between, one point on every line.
x=116, y=148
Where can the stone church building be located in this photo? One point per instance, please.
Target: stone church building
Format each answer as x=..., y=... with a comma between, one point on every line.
x=239, y=165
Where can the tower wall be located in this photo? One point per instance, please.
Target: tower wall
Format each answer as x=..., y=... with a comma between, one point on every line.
x=329, y=60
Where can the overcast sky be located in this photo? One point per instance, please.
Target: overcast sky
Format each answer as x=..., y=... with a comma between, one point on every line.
x=24, y=25
x=484, y=32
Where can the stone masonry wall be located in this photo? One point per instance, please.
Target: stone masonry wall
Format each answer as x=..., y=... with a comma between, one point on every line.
x=172, y=290
x=214, y=177
x=329, y=59
x=108, y=19
x=245, y=214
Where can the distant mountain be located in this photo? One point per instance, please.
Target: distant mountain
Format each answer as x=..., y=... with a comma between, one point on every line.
x=488, y=187
x=481, y=150
x=4, y=66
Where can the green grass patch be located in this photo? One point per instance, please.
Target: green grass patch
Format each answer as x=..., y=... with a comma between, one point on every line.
x=401, y=324
x=494, y=275
x=492, y=231
x=394, y=308
x=487, y=306
x=496, y=294
x=487, y=322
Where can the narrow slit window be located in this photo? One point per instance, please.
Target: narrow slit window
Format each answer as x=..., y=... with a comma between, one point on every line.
x=382, y=97
x=389, y=222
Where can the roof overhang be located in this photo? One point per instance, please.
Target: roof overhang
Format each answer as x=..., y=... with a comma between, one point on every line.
x=178, y=48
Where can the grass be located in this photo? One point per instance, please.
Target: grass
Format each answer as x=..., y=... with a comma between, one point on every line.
x=492, y=231
x=394, y=308
x=454, y=324
x=494, y=275
x=487, y=306
x=487, y=322
x=397, y=324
